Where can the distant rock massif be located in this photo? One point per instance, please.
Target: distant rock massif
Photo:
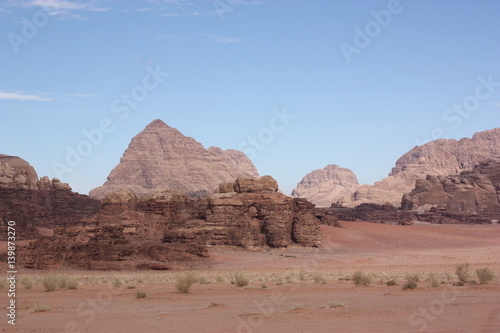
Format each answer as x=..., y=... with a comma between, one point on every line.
x=471, y=192
x=161, y=158
x=442, y=157
x=323, y=187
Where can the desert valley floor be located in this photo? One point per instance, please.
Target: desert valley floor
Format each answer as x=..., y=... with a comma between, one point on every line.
x=283, y=295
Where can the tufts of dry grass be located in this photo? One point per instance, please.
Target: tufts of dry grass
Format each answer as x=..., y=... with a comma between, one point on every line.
x=39, y=308
x=184, y=281
x=462, y=272
x=361, y=279
x=485, y=275
x=240, y=280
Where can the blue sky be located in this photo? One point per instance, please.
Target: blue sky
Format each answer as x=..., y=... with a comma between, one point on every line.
x=295, y=84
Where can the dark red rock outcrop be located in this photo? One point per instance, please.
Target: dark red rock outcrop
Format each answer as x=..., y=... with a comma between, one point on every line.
x=168, y=228
x=35, y=204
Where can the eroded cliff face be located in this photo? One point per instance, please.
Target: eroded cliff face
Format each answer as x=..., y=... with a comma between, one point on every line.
x=38, y=203
x=438, y=158
x=168, y=228
x=161, y=158
x=471, y=192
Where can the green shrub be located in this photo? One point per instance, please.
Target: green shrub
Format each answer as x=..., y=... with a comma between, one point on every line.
x=240, y=280
x=485, y=275
x=462, y=272
x=361, y=279
x=184, y=281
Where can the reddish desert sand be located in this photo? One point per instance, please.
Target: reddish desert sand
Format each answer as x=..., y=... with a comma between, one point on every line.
x=290, y=290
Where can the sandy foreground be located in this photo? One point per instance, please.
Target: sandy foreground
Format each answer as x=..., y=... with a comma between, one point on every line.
x=283, y=295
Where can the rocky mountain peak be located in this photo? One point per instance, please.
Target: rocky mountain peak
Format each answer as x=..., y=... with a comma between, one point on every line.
x=161, y=158
x=332, y=184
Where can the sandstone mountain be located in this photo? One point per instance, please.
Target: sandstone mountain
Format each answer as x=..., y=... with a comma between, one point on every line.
x=440, y=157
x=237, y=159
x=323, y=187
x=475, y=191
x=161, y=158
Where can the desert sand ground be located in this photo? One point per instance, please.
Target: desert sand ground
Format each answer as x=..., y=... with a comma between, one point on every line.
x=283, y=295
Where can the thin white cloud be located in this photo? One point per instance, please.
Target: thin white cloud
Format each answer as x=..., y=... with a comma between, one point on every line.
x=221, y=39
x=60, y=9
x=170, y=37
x=80, y=94
x=21, y=96
x=62, y=5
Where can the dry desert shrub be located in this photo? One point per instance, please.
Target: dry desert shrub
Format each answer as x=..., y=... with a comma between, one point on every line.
x=27, y=282
x=184, y=281
x=485, y=275
x=51, y=282
x=318, y=278
x=203, y=280
x=462, y=272
x=413, y=277
x=39, y=308
x=335, y=304
x=411, y=281
x=240, y=280
x=296, y=306
x=116, y=282
x=391, y=282
x=361, y=279
x=140, y=294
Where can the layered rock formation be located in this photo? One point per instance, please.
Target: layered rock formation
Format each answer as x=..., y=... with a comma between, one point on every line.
x=164, y=229
x=440, y=158
x=471, y=192
x=37, y=203
x=323, y=187
x=237, y=159
x=161, y=158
